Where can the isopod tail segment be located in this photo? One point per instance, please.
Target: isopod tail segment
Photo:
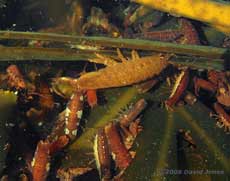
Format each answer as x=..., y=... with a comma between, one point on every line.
x=102, y=155
x=223, y=117
x=73, y=114
x=119, y=152
x=178, y=89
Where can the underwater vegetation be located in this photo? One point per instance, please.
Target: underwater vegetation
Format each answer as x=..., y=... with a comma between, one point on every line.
x=215, y=13
x=107, y=90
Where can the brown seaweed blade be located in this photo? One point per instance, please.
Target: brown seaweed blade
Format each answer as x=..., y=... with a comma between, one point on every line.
x=73, y=114
x=41, y=161
x=102, y=155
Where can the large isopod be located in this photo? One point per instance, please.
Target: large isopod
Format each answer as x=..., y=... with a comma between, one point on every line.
x=127, y=72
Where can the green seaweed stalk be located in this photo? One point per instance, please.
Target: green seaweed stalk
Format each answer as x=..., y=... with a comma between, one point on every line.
x=47, y=54
x=163, y=153
x=138, y=44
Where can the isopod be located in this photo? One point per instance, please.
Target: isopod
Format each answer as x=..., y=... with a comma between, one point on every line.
x=118, y=74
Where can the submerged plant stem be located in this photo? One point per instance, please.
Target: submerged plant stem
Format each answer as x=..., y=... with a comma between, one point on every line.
x=49, y=54
x=138, y=44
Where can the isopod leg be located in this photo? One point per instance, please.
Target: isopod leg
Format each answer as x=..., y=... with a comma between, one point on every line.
x=134, y=55
x=102, y=59
x=120, y=55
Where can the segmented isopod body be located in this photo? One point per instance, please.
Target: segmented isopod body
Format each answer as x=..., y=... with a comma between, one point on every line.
x=102, y=155
x=123, y=74
x=179, y=88
x=15, y=77
x=73, y=114
x=119, y=152
x=41, y=161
